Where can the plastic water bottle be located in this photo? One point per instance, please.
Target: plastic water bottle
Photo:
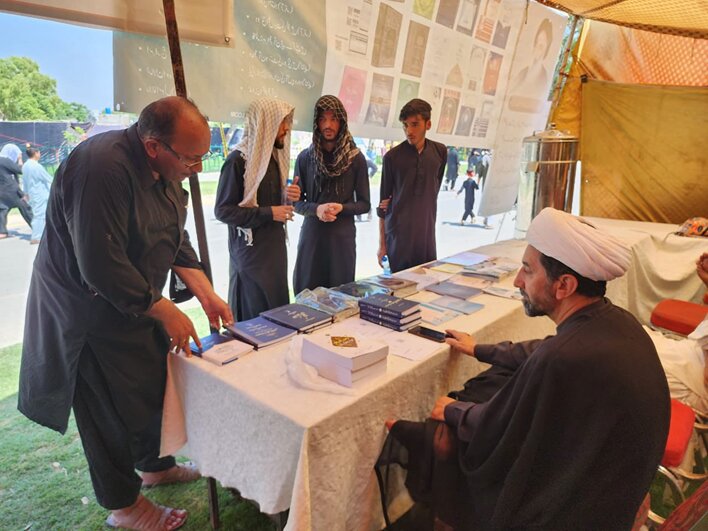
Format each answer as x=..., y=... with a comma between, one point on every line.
x=386, y=266
x=285, y=200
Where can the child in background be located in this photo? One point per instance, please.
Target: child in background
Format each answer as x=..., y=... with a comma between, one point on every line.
x=469, y=185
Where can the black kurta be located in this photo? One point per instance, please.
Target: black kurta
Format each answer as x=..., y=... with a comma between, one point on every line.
x=326, y=252
x=113, y=232
x=412, y=181
x=574, y=438
x=469, y=187
x=11, y=195
x=258, y=272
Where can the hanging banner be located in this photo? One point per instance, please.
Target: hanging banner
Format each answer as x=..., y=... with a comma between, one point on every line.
x=455, y=54
x=279, y=51
x=525, y=104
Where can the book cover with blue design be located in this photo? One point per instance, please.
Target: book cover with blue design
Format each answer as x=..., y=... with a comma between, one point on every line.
x=220, y=349
x=260, y=332
x=298, y=317
x=453, y=289
x=389, y=305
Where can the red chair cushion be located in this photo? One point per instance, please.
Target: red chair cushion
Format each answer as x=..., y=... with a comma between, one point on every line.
x=680, y=430
x=681, y=317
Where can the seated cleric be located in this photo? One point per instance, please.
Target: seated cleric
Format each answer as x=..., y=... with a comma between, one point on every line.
x=573, y=435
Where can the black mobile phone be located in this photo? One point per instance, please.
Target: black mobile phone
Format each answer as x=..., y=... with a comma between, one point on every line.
x=428, y=333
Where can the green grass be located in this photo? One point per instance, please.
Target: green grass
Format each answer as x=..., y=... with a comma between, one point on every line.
x=44, y=475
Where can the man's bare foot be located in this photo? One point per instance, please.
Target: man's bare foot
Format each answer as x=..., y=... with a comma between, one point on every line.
x=144, y=515
x=180, y=473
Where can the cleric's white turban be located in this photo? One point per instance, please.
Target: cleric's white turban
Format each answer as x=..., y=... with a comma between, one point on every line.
x=578, y=244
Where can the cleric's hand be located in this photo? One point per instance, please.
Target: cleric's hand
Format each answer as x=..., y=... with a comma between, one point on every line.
x=441, y=403
x=465, y=343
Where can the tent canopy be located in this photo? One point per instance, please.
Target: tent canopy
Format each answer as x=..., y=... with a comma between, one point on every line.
x=687, y=18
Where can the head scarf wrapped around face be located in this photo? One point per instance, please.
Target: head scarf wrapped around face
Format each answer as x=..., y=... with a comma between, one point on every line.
x=344, y=149
x=575, y=242
x=263, y=120
x=10, y=151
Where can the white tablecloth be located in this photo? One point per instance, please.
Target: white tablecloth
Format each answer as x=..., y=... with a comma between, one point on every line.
x=251, y=428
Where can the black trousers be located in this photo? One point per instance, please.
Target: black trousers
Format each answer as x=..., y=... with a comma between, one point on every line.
x=112, y=452
x=8, y=201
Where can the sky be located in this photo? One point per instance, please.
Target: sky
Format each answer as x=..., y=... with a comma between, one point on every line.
x=78, y=57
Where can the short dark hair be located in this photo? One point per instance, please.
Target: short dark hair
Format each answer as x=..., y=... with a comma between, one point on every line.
x=589, y=288
x=31, y=152
x=159, y=118
x=413, y=107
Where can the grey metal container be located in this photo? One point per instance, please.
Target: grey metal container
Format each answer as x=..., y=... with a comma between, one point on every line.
x=547, y=174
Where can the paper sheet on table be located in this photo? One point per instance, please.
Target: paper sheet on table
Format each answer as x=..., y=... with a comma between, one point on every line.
x=424, y=276
x=401, y=344
x=466, y=258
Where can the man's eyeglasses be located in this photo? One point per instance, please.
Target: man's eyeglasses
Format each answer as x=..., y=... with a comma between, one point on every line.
x=187, y=164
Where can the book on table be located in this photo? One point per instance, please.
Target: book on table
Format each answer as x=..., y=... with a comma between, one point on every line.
x=260, y=332
x=457, y=305
x=453, y=289
x=298, y=317
x=220, y=349
x=389, y=305
x=496, y=269
x=392, y=323
x=437, y=315
x=339, y=305
x=348, y=377
x=398, y=287
x=372, y=313
x=344, y=359
x=361, y=289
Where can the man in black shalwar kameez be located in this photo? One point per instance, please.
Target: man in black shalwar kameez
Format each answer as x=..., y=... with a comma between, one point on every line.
x=250, y=200
x=572, y=438
x=335, y=187
x=98, y=330
x=410, y=181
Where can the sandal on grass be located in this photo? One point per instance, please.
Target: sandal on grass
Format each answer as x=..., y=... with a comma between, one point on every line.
x=180, y=473
x=147, y=516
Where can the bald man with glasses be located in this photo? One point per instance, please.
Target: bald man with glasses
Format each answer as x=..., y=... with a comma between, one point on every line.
x=98, y=330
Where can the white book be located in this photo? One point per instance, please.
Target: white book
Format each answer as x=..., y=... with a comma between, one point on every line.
x=349, y=352
x=347, y=377
x=226, y=352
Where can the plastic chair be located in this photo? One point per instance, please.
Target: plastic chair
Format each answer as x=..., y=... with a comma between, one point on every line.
x=678, y=316
x=681, y=427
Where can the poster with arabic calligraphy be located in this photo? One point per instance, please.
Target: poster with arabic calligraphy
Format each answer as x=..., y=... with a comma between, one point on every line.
x=279, y=51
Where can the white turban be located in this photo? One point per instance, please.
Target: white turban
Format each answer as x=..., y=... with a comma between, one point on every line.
x=578, y=244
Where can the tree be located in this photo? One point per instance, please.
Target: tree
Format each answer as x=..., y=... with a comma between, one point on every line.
x=27, y=94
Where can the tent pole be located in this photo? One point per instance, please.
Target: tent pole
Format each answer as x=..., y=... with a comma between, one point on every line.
x=181, y=89
x=560, y=81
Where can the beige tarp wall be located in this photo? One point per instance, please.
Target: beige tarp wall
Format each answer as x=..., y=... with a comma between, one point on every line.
x=643, y=153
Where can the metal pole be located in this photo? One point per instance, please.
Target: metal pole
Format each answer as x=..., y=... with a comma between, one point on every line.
x=181, y=89
x=560, y=81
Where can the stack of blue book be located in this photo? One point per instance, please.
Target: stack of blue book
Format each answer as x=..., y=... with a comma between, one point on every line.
x=389, y=311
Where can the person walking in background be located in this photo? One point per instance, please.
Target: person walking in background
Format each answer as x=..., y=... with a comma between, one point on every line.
x=249, y=199
x=11, y=195
x=335, y=187
x=469, y=186
x=37, y=183
x=453, y=168
x=410, y=181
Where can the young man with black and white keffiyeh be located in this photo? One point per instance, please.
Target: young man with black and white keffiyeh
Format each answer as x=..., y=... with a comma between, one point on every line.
x=335, y=187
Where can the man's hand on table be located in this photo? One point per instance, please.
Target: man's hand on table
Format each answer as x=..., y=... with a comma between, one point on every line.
x=217, y=311
x=465, y=343
x=178, y=326
x=438, y=412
